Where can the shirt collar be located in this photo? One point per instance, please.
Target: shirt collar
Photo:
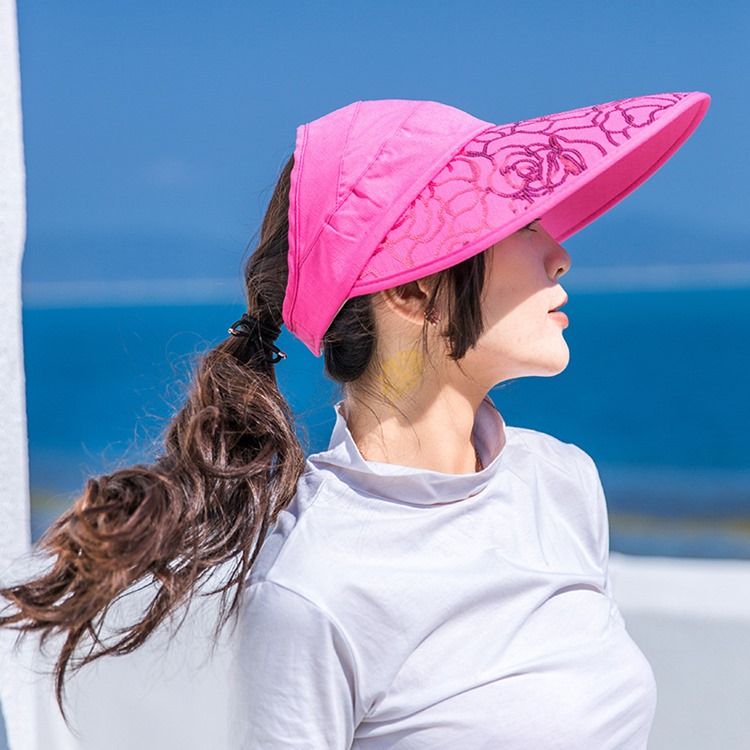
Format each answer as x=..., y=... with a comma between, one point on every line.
x=415, y=485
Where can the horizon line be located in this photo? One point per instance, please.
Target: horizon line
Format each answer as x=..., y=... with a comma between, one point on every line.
x=207, y=290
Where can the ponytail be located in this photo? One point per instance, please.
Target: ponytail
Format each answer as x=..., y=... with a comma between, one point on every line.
x=230, y=463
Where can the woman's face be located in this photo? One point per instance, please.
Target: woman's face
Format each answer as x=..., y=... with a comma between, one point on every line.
x=521, y=338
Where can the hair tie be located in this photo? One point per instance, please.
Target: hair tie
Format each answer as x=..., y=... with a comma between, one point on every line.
x=261, y=334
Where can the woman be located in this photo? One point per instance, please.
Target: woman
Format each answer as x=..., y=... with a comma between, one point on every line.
x=434, y=578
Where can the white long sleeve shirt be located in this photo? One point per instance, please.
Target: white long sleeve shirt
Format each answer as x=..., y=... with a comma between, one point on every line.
x=402, y=608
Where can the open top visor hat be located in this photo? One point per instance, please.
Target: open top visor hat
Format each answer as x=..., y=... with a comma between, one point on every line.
x=387, y=191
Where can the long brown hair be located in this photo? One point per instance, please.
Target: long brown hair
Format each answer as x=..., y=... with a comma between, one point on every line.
x=230, y=463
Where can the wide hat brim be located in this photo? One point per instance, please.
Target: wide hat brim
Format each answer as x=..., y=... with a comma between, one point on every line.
x=567, y=169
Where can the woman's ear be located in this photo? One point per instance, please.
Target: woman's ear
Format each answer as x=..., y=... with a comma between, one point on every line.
x=408, y=301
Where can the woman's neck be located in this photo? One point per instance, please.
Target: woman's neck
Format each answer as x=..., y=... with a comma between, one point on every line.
x=434, y=435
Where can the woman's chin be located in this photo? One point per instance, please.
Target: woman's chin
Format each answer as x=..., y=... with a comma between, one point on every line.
x=562, y=359
x=554, y=363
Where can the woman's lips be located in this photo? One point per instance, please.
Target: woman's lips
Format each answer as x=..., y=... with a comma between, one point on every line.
x=560, y=317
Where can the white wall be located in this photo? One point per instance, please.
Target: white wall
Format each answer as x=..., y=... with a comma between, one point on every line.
x=14, y=495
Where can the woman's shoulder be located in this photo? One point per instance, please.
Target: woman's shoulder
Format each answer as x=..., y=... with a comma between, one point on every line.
x=553, y=451
x=322, y=557
x=287, y=526
x=309, y=544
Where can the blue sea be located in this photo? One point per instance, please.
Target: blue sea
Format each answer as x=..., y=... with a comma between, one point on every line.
x=656, y=392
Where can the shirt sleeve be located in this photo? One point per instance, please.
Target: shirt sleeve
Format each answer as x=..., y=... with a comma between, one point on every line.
x=294, y=675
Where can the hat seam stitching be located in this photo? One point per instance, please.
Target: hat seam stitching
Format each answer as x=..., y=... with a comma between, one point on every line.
x=336, y=208
x=346, y=143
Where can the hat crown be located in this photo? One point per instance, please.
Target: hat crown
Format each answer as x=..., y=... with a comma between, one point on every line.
x=341, y=146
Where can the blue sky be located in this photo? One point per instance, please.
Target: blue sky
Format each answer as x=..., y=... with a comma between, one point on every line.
x=154, y=131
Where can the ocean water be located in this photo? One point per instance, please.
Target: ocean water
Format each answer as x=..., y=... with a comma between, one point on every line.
x=656, y=392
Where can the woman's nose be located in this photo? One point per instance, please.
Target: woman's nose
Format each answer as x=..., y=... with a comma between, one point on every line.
x=559, y=261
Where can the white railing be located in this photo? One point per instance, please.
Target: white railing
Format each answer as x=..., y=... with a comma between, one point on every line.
x=691, y=619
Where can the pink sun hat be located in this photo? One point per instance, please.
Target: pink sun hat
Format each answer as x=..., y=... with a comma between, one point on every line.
x=391, y=190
